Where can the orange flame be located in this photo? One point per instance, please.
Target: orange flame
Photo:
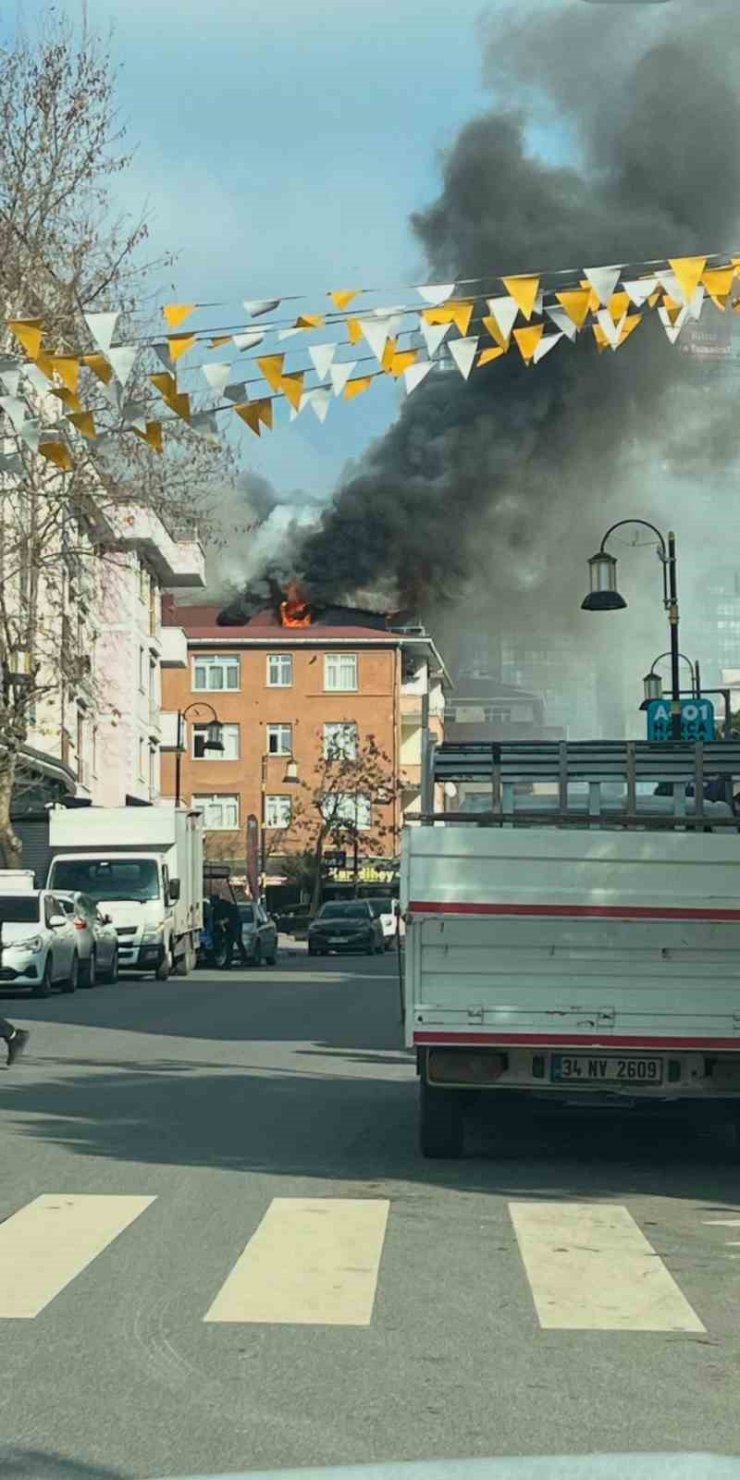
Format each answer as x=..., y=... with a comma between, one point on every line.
x=294, y=611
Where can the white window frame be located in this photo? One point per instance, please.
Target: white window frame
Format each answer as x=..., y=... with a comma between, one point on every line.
x=211, y=661
x=216, y=755
x=343, y=743
x=332, y=669
x=277, y=731
x=277, y=817
x=279, y=659
x=350, y=797
x=205, y=800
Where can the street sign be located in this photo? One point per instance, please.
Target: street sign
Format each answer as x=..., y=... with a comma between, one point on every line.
x=697, y=719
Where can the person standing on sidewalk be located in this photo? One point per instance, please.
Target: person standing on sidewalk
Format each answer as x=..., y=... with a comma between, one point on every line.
x=16, y=1039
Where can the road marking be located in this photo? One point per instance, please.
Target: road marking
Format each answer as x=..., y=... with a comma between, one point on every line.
x=590, y=1268
x=51, y=1240
x=722, y=1222
x=313, y=1261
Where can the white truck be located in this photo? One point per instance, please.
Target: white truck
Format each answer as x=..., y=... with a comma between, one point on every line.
x=579, y=947
x=143, y=866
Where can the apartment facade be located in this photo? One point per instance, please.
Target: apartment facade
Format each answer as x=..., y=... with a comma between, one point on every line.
x=293, y=694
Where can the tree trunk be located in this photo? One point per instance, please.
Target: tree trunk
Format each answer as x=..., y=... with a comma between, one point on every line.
x=316, y=891
x=11, y=848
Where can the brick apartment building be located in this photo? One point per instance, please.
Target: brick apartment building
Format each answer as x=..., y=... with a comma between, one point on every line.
x=287, y=693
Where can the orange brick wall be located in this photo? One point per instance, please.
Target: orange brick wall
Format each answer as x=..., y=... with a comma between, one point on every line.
x=374, y=708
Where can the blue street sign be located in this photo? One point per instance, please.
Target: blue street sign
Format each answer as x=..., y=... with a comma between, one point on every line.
x=697, y=719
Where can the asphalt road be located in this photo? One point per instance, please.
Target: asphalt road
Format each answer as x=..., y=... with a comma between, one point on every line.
x=234, y=1324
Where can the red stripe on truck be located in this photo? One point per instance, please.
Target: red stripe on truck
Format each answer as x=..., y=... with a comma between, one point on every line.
x=600, y=911
x=555, y=1040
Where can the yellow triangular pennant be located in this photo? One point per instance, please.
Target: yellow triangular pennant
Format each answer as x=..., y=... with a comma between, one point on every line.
x=356, y=387
x=594, y=301
x=29, y=333
x=219, y=340
x=618, y=305
x=165, y=384
x=718, y=282
x=179, y=344
x=655, y=297
x=57, y=453
x=309, y=321
x=85, y=423
x=576, y=302
x=528, y=339
x=354, y=331
x=391, y=348
x=249, y=412
x=264, y=411
x=490, y=323
x=176, y=313
x=486, y=355
x=271, y=366
x=181, y=405
x=402, y=360
x=524, y=291
x=292, y=387
x=99, y=366
x=459, y=314
x=67, y=367
x=342, y=297
x=629, y=326
x=45, y=364
x=68, y=399
x=688, y=270
x=602, y=342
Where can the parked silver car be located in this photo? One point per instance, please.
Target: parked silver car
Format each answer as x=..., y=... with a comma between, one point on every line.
x=259, y=934
x=38, y=942
x=97, y=938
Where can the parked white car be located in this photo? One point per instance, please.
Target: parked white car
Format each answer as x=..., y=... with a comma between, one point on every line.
x=38, y=942
x=97, y=939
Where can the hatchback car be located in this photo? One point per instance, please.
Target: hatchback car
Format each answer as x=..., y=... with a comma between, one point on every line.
x=259, y=934
x=38, y=942
x=345, y=925
x=97, y=939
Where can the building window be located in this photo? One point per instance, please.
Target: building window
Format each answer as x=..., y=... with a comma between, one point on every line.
x=340, y=672
x=143, y=669
x=81, y=748
x=230, y=738
x=279, y=670
x=340, y=741
x=153, y=772
x=144, y=584
x=142, y=759
x=351, y=809
x=278, y=810
x=279, y=739
x=220, y=813
x=216, y=671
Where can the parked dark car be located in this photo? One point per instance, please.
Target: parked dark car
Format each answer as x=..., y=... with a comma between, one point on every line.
x=259, y=934
x=345, y=925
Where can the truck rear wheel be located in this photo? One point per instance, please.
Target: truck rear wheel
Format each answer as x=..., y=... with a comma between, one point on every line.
x=441, y=1121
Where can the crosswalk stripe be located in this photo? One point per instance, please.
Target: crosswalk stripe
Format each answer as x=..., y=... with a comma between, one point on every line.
x=311, y=1261
x=51, y=1240
x=590, y=1268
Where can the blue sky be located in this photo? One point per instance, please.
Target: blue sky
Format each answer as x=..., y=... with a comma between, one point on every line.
x=280, y=148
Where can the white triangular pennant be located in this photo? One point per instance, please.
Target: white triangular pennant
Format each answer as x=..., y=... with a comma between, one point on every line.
x=504, y=311
x=113, y=392
x=288, y=333
x=603, y=280
x=31, y=434
x=15, y=409
x=376, y=334
x=339, y=375
x=639, y=289
x=463, y=352
x=217, y=376
x=433, y=335
x=205, y=425
x=135, y=414
x=538, y=302
x=672, y=330
x=162, y=351
x=322, y=356
x=611, y=332
x=319, y=399
x=696, y=302
x=123, y=358
x=671, y=285
x=10, y=380
x=563, y=321
x=257, y=306
x=415, y=374
x=436, y=293
x=547, y=342
x=102, y=326
x=249, y=339
x=37, y=379
x=236, y=392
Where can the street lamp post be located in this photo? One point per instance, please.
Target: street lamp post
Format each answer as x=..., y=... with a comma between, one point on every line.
x=291, y=778
x=213, y=740
x=604, y=596
x=652, y=683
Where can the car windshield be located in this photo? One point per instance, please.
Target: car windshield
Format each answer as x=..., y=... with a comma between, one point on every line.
x=19, y=909
x=381, y=907
x=341, y=909
x=246, y=914
x=108, y=878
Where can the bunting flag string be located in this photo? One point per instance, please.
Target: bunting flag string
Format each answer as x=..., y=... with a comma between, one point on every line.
x=455, y=325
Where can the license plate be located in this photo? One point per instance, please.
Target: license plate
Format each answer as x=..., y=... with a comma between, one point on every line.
x=602, y=1068
x=341, y=940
